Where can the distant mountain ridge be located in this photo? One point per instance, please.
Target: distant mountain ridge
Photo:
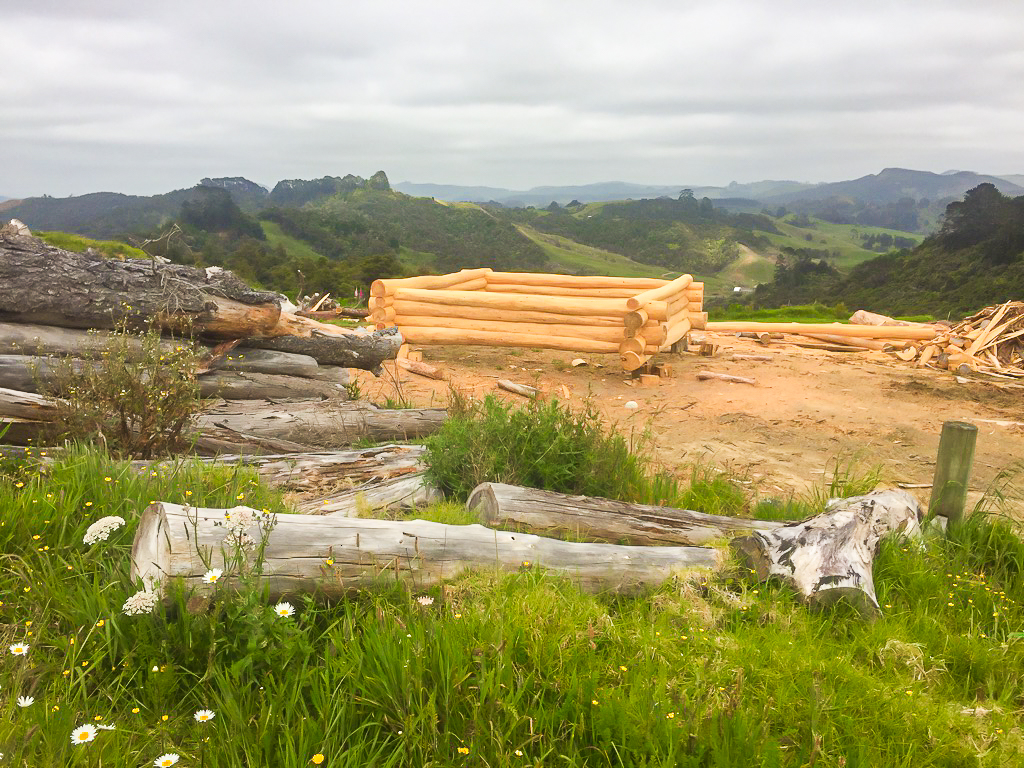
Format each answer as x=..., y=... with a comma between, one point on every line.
x=112, y=214
x=892, y=184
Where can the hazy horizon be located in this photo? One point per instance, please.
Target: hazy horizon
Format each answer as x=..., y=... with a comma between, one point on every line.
x=143, y=99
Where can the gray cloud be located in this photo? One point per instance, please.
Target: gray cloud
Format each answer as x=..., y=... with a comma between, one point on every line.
x=127, y=97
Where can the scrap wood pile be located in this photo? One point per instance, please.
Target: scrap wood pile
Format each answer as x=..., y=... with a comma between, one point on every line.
x=634, y=318
x=59, y=308
x=990, y=341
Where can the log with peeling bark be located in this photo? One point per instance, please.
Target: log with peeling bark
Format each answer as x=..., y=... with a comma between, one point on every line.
x=829, y=557
x=365, y=350
x=40, y=283
x=267, y=361
x=26, y=405
x=345, y=483
x=172, y=541
x=556, y=514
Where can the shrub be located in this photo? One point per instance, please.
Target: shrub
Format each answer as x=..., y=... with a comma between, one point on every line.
x=139, y=399
x=540, y=445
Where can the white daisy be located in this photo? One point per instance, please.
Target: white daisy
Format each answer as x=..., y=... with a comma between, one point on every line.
x=25, y=701
x=107, y=727
x=204, y=715
x=211, y=576
x=166, y=761
x=284, y=610
x=83, y=734
x=424, y=600
x=20, y=649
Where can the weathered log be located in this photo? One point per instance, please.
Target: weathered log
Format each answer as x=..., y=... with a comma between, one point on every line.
x=346, y=483
x=25, y=405
x=249, y=360
x=323, y=424
x=353, y=350
x=48, y=340
x=40, y=283
x=170, y=540
x=556, y=514
x=354, y=313
x=25, y=373
x=829, y=557
x=242, y=385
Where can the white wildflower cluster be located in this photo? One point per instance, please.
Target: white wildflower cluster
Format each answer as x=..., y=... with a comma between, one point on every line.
x=102, y=528
x=238, y=522
x=140, y=603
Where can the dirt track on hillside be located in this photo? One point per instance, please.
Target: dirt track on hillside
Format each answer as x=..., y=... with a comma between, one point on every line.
x=809, y=411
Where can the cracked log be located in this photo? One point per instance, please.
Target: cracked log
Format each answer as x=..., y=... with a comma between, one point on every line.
x=326, y=424
x=40, y=283
x=364, y=553
x=829, y=557
x=347, y=349
x=556, y=514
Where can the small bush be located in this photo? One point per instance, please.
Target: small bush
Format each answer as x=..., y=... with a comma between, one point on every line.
x=139, y=399
x=540, y=445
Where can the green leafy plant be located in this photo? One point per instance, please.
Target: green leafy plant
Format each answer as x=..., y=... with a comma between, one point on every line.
x=140, y=398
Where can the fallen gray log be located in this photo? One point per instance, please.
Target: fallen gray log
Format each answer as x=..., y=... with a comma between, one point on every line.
x=403, y=493
x=48, y=340
x=27, y=373
x=829, y=557
x=711, y=375
x=240, y=385
x=40, y=283
x=26, y=405
x=352, y=350
x=556, y=514
x=518, y=389
x=327, y=424
x=171, y=543
x=247, y=360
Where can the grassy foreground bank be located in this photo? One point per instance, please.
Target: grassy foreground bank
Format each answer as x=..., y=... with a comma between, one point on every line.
x=494, y=669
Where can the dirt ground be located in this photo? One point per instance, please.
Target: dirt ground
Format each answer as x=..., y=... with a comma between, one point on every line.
x=810, y=410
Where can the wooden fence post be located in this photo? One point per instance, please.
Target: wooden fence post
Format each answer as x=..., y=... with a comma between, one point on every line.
x=953, y=470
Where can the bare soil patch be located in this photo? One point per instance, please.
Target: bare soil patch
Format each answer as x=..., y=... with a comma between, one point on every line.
x=810, y=412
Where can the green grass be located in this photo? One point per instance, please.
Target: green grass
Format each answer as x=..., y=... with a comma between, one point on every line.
x=797, y=313
x=566, y=255
x=516, y=669
x=112, y=249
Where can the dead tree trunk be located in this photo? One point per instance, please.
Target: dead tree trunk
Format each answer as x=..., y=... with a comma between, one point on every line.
x=172, y=543
x=829, y=557
x=43, y=284
x=328, y=424
x=555, y=514
x=351, y=350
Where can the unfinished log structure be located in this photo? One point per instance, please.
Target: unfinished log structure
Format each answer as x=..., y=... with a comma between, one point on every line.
x=632, y=317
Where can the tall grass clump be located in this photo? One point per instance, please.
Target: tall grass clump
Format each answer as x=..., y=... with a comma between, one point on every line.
x=542, y=444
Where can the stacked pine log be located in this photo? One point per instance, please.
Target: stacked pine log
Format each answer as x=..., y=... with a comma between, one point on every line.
x=632, y=317
x=990, y=341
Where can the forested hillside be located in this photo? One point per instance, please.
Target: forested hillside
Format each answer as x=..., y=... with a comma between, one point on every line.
x=976, y=259
x=683, y=234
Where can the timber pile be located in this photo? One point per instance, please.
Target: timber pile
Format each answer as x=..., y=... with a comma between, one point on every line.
x=634, y=318
x=990, y=341
x=49, y=297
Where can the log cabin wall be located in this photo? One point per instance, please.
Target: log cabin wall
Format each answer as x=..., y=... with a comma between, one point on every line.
x=634, y=317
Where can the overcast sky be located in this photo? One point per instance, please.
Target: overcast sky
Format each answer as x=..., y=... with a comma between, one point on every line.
x=145, y=97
